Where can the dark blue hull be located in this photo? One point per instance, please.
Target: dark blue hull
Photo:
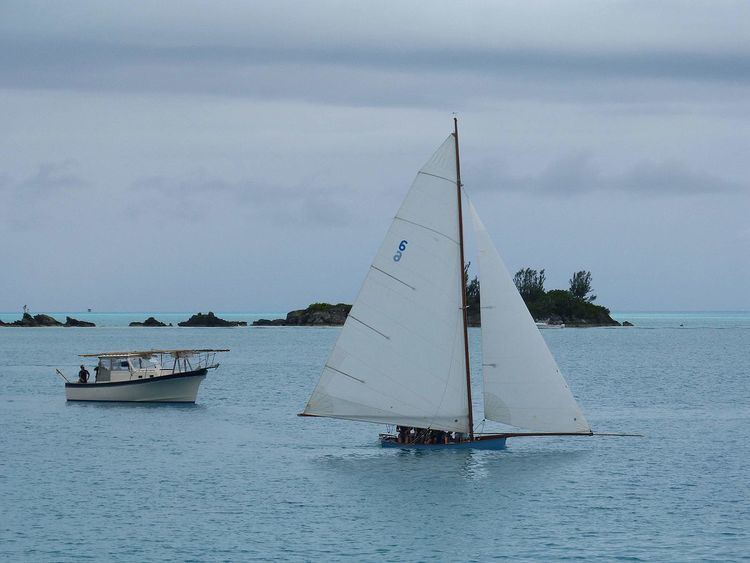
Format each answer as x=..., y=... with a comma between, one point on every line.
x=491, y=442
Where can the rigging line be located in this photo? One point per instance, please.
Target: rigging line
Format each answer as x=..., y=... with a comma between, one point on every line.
x=620, y=434
x=368, y=326
x=452, y=181
x=447, y=380
x=394, y=277
x=344, y=373
x=427, y=228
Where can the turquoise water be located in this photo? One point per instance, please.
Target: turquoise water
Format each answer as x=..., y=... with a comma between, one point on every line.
x=238, y=476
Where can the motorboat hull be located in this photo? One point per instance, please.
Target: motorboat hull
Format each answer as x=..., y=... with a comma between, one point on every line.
x=174, y=388
x=489, y=442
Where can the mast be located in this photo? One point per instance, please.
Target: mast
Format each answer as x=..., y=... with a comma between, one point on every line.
x=463, y=282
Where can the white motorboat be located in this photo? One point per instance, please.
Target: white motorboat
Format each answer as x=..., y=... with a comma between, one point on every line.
x=548, y=325
x=157, y=376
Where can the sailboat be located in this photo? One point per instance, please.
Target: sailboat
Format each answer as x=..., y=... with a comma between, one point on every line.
x=402, y=357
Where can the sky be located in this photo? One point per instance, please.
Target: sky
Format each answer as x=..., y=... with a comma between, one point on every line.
x=242, y=156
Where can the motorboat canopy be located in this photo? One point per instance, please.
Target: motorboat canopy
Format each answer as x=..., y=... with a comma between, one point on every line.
x=179, y=352
x=147, y=364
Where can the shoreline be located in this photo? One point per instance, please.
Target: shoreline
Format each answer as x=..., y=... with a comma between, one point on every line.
x=121, y=319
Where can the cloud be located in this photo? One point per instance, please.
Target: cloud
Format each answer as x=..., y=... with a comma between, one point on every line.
x=395, y=54
x=40, y=197
x=579, y=174
x=55, y=178
x=247, y=69
x=195, y=195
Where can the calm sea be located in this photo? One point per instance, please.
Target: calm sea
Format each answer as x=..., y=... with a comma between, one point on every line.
x=238, y=476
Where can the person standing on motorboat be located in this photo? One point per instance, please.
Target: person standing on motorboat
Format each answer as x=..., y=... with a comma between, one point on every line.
x=83, y=375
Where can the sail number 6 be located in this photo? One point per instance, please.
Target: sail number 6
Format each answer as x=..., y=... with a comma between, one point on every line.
x=400, y=251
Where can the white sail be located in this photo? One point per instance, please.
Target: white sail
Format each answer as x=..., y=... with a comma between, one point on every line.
x=399, y=358
x=523, y=386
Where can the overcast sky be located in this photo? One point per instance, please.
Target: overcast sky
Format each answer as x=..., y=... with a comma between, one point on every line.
x=181, y=156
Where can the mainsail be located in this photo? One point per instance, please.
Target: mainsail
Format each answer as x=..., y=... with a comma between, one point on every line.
x=400, y=356
x=523, y=386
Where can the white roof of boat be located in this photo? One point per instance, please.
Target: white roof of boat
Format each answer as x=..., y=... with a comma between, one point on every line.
x=145, y=353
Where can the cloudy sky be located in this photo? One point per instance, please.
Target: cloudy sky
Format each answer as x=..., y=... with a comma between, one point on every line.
x=245, y=156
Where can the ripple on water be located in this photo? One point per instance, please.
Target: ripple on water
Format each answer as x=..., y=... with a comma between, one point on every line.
x=238, y=476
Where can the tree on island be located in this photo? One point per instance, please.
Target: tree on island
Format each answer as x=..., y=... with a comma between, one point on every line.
x=580, y=286
x=530, y=283
x=573, y=307
x=557, y=306
x=472, y=289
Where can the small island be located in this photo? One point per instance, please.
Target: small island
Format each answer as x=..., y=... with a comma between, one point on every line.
x=45, y=320
x=210, y=320
x=317, y=314
x=70, y=321
x=151, y=321
x=573, y=307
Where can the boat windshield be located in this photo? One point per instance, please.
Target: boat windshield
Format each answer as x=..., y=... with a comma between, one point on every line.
x=120, y=364
x=144, y=363
x=127, y=363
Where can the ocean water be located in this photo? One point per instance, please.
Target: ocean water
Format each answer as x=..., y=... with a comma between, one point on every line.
x=238, y=476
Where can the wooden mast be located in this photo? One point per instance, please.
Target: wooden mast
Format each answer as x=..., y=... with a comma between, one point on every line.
x=463, y=282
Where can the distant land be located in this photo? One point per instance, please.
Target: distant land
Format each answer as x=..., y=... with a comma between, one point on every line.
x=149, y=322
x=556, y=309
x=210, y=320
x=573, y=307
x=197, y=320
x=317, y=314
x=45, y=320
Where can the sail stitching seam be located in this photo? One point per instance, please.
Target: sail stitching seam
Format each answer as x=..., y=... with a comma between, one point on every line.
x=371, y=328
x=436, y=176
x=394, y=277
x=344, y=373
x=428, y=228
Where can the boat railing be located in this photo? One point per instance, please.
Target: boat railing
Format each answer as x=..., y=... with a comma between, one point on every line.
x=206, y=361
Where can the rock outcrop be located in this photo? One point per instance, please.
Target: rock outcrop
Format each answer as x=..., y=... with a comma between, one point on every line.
x=210, y=320
x=317, y=314
x=70, y=321
x=627, y=323
x=151, y=321
x=35, y=321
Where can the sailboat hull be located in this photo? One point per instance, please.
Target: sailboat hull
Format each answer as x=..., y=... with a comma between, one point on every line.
x=489, y=442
